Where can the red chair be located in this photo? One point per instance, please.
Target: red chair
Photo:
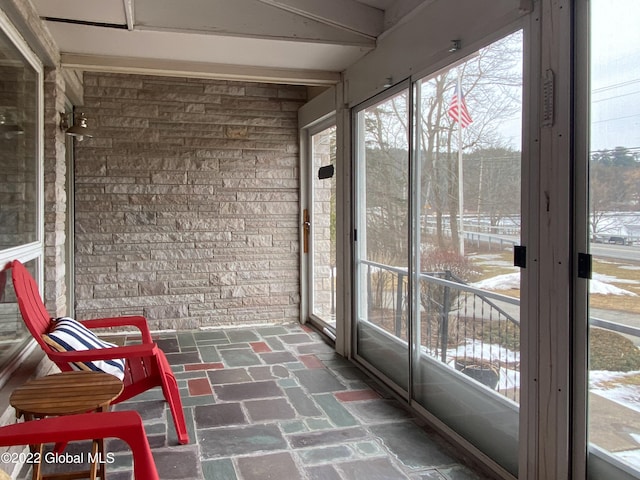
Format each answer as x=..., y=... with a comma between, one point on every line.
x=146, y=366
x=126, y=425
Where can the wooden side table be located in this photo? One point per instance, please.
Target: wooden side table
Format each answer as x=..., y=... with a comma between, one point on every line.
x=67, y=393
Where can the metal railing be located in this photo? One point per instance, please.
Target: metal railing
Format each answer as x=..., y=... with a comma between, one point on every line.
x=474, y=331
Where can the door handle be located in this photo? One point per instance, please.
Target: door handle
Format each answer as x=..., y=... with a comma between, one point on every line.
x=306, y=229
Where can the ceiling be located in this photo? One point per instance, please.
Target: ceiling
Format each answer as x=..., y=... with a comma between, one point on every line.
x=293, y=41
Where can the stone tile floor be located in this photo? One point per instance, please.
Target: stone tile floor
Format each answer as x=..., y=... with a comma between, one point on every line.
x=276, y=402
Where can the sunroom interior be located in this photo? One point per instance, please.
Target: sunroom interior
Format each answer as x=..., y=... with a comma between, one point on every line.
x=413, y=190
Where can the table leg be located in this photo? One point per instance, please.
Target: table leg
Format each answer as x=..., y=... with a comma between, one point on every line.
x=98, y=452
x=36, y=468
x=37, y=449
x=93, y=468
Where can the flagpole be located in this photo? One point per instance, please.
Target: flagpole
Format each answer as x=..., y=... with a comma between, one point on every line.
x=460, y=178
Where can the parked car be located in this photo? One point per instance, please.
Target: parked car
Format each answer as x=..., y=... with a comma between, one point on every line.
x=619, y=240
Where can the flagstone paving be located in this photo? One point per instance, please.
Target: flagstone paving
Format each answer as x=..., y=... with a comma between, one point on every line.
x=276, y=402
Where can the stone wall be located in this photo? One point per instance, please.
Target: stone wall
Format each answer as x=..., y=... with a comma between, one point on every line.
x=55, y=201
x=187, y=201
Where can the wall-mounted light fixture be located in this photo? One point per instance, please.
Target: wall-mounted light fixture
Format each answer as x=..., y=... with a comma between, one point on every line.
x=79, y=129
x=8, y=129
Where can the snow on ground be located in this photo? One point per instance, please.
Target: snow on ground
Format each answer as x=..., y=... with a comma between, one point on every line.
x=609, y=385
x=604, y=383
x=485, y=351
x=599, y=284
x=493, y=353
x=495, y=260
x=506, y=281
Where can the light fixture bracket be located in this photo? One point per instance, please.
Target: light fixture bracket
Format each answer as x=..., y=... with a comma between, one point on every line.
x=80, y=129
x=454, y=46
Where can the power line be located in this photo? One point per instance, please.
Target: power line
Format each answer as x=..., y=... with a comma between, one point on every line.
x=616, y=96
x=615, y=85
x=615, y=118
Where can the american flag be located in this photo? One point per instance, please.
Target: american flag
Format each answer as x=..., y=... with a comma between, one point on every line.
x=458, y=109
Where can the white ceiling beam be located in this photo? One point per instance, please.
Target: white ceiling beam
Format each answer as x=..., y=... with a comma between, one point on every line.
x=242, y=18
x=216, y=49
x=177, y=68
x=100, y=11
x=347, y=14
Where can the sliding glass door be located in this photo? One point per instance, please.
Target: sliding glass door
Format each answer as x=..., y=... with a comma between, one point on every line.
x=467, y=289
x=382, y=234
x=438, y=162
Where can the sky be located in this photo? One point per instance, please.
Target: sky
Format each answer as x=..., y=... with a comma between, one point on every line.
x=615, y=74
x=615, y=78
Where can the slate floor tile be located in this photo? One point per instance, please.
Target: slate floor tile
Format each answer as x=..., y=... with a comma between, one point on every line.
x=230, y=441
x=236, y=336
x=323, y=472
x=248, y=391
x=331, y=454
x=295, y=338
x=182, y=358
x=315, y=348
x=218, y=470
x=275, y=466
x=377, y=411
x=412, y=445
x=319, y=380
x=178, y=464
x=219, y=415
x=210, y=335
x=338, y=415
x=229, y=375
x=277, y=357
x=199, y=386
x=302, y=402
x=329, y=437
x=371, y=469
x=149, y=410
x=284, y=406
x=269, y=409
x=460, y=472
x=168, y=345
x=239, y=357
x=274, y=343
x=271, y=331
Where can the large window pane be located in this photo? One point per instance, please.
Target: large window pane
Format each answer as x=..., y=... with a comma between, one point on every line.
x=18, y=147
x=467, y=327
x=20, y=183
x=614, y=221
x=323, y=226
x=382, y=235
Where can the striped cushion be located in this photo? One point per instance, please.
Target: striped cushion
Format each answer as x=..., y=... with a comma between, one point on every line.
x=69, y=335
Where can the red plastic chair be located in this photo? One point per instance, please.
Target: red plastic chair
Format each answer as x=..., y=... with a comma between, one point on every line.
x=146, y=366
x=126, y=425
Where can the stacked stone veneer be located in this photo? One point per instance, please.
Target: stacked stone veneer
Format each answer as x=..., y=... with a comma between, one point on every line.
x=187, y=201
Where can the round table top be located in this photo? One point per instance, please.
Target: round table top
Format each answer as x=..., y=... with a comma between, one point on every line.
x=66, y=393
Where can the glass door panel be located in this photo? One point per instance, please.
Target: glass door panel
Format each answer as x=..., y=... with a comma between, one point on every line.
x=467, y=318
x=382, y=227
x=322, y=220
x=614, y=229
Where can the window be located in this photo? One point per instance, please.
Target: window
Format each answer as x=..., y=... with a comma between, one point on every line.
x=438, y=212
x=614, y=234
x=20, y=180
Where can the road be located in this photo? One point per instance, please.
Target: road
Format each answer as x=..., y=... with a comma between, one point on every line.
x=620, y=252
x=604, y=250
